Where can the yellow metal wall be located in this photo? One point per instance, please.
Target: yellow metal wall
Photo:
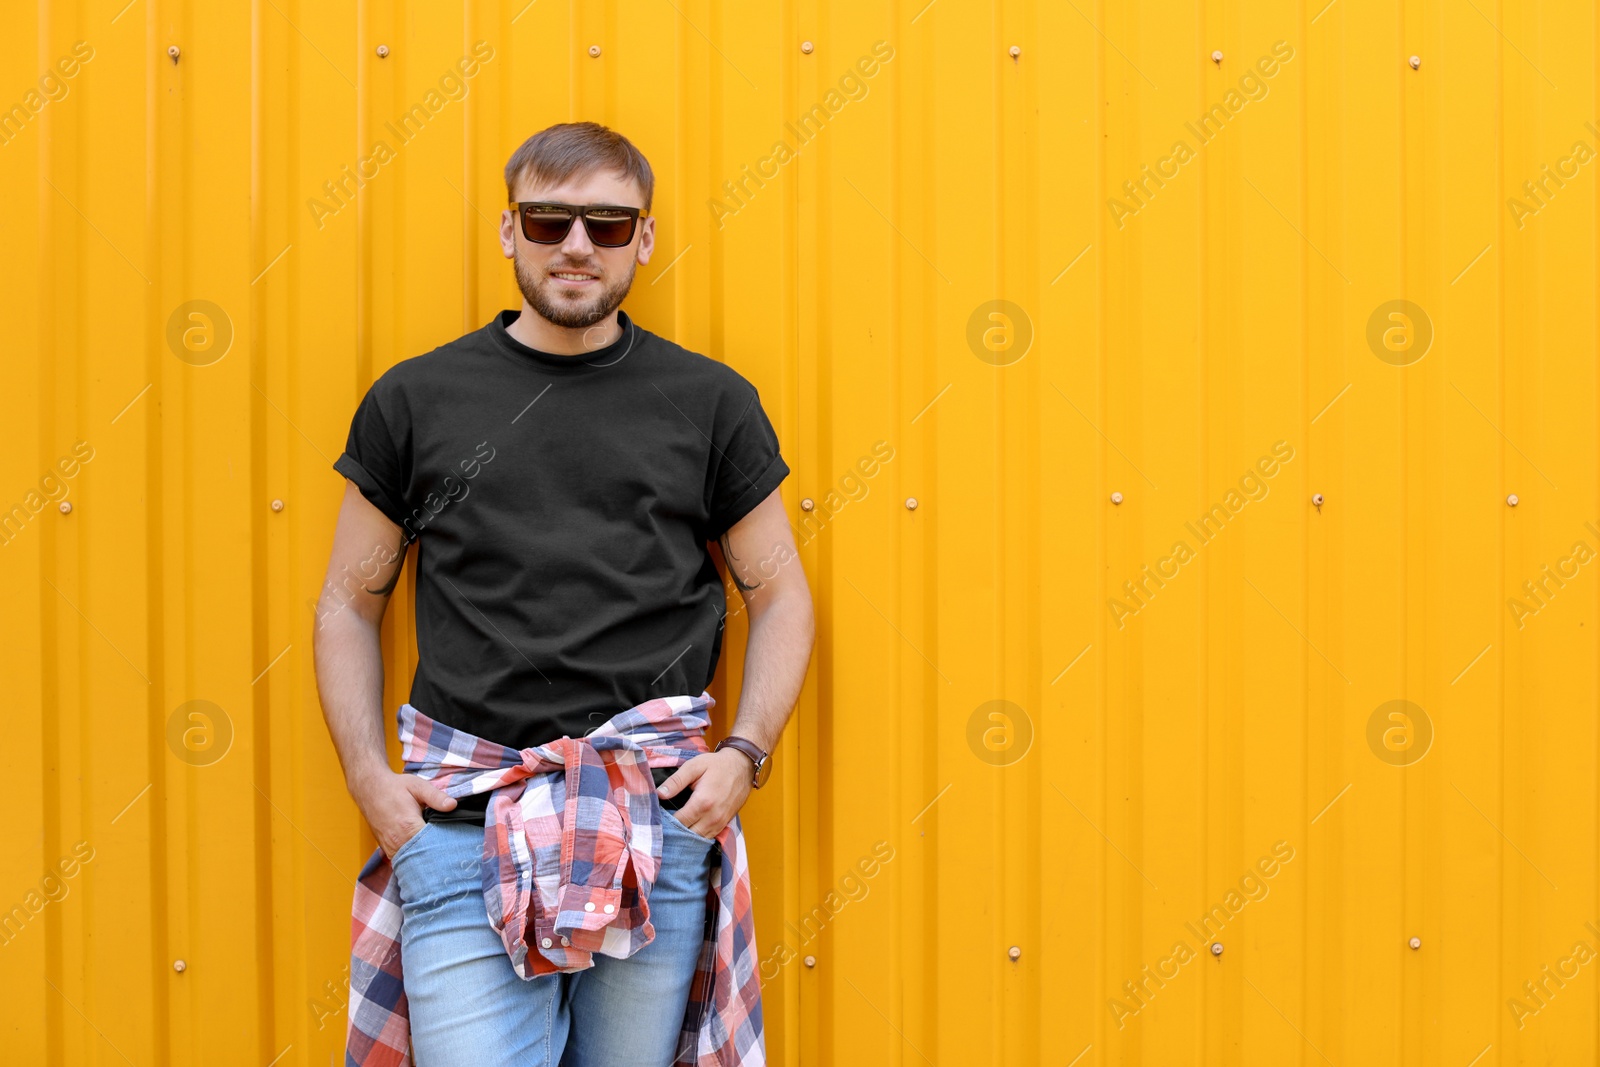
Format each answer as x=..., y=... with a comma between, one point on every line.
x=1154, y=748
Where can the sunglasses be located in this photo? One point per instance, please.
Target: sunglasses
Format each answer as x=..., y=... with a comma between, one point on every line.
x=608, y=225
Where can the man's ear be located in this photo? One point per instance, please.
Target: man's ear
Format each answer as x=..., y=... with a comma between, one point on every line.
x=647, y=240
x=508, y=233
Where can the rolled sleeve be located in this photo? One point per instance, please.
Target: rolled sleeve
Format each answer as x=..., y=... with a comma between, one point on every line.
x=375, y=459
x=748, y=467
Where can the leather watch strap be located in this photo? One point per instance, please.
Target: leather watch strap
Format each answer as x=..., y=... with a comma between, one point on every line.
x=763, y=764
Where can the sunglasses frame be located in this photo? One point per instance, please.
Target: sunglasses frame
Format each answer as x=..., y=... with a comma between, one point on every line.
x=575, y=212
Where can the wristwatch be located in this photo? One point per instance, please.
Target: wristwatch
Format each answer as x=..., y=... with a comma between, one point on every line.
x=762, y=761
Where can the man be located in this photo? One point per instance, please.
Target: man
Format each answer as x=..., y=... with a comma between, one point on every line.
x=562, y=470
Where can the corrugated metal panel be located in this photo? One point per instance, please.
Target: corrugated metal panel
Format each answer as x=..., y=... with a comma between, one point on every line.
x=1196, y=253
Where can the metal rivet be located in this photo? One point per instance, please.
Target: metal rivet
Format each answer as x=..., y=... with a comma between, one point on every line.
x=179, y=966
x=1216, y=948
x=1316, y=498
x=811, y=961
x=66, y=507
x=807, y=504
x=807, y=47
x=1415, y=942
x=1512, y=500
x=911, y=503
x=594, y=51
x=383, y=51
x=1014, y=953
x=1416, y=62
x=277, y=505
x=1014, y=51
x=1116, y=498
x=172, y=50
x=1216, y=57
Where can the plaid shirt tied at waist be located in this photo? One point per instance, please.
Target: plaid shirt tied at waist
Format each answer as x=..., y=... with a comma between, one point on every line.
x=571, y=847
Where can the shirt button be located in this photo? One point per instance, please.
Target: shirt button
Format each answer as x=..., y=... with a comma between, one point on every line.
x=589, y=906
x=546, y=942
x=564, y=941
x=610, y=908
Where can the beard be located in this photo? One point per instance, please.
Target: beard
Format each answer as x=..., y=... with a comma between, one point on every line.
x=572, y=311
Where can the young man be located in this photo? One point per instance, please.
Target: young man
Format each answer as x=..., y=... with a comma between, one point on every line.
x=562, y=471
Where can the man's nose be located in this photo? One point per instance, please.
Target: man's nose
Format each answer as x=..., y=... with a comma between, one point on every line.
x=577, y=244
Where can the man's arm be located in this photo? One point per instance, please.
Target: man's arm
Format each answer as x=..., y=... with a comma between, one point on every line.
x=765, y=567
x=363, y=569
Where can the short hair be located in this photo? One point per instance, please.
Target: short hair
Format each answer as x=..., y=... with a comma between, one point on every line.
x=557, y=153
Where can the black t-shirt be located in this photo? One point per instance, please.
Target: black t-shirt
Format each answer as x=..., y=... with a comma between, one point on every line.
x=562, y=507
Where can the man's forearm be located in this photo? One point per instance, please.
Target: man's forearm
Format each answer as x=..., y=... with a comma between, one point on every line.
x=349, y=663
x=775, y=662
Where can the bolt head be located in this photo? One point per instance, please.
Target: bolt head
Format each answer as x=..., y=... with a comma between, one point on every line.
x=911, y=503
x=808, y=504
x=1316, y=498
x=811, y=961
x=1116, y=498
x=1014, y=51
x=383, y=51
x=1415, y=942
x=172, y=50
x=1416, y=62
x=1216, y=57
x=66, y=507
x=179, y=966
x=277, y=505
x=1014, y=953
x=1216, y=948
x=807, y=47
x=1512, y=500
x=594, y=51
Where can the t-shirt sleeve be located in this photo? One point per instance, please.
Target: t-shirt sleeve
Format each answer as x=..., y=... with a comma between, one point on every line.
x=376, y=457
x=746, y=468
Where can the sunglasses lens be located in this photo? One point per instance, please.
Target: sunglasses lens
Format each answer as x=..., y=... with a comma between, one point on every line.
x=546, y=225
x=609, y=229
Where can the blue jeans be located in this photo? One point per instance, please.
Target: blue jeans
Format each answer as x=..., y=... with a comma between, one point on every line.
x=467, y=1005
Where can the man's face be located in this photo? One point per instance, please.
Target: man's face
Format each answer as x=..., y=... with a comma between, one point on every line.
x=576, y=283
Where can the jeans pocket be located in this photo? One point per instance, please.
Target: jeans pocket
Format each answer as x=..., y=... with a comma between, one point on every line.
x=405, y=846
x=669, y=819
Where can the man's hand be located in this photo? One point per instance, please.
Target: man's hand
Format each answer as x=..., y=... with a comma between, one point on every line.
x=392, y=805
x=721, y=780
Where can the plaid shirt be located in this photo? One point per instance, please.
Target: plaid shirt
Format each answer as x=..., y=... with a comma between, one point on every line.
x=572, y=844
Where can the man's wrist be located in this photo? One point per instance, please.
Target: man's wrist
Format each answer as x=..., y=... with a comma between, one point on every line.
x=357, y=779
x=759, y=759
